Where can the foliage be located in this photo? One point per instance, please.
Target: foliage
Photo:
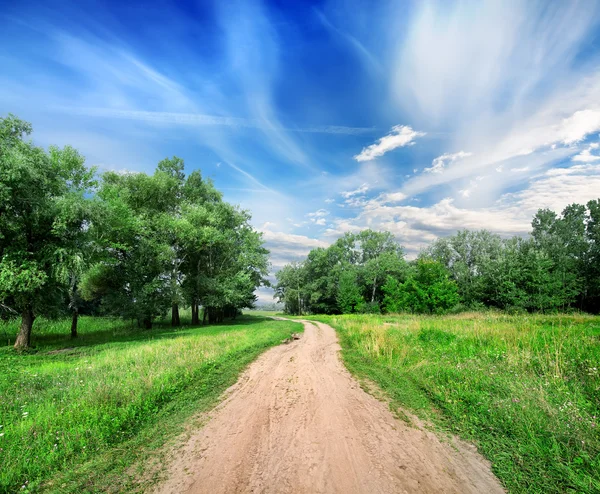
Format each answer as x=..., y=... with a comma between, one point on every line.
x=556, y=269
x=74, y=419
x=525, y=389
x=43, y=218
x=428, y=290
x=347, y=276
x=133, y=244
x=348, y=296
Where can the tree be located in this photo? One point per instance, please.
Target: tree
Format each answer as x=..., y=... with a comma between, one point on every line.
x=289, y=290
x=133, y=277
x=348, y=296
x=42, y=219
x=428, y=289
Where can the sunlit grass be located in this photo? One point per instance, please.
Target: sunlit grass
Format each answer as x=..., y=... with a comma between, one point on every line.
x=72, y=401
x=525, y=389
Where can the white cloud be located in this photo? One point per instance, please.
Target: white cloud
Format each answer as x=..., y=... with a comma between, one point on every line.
x=287, y=247
x=520, y=170
x=360, y=190
x=579, y=125
x=267, y=225
x=318, y=214
x=320, y=222
x=511, y=214
x=198, y=119
x=586, y=156
x=329, y=201
x=400, y=136
x=439, y=163
x=508, y=84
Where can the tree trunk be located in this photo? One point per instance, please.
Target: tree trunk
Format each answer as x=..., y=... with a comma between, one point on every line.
x=204, y=315
x=374, y=288
x=74, y=323
x=147, y=323
x=175, y=315
x=195, y=319
x=24, y=337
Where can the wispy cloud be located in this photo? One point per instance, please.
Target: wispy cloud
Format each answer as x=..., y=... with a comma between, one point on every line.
x=399, y=136
x=370, y=60
x=197, y=119
x=439, y=163
x=250, y=176
x=360, y=190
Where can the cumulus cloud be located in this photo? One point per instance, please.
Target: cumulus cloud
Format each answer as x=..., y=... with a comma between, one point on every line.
x=399, y=136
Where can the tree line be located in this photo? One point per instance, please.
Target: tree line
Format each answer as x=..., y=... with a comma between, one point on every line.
x=129, y=244
x=556, y=268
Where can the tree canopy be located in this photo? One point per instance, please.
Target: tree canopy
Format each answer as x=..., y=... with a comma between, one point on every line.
x=556, y=268
x=135, y=245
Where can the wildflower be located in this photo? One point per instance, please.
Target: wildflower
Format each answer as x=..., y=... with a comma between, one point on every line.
x=1, y=434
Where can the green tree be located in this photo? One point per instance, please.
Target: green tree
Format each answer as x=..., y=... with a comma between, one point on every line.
x=290, y=288
x=428, y=289
x=348, y=296
x=42, y=220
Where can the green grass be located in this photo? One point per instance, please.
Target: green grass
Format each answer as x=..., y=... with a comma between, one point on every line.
x=524, y=389
x=88, y=415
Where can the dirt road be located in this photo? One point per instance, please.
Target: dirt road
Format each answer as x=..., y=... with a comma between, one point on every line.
x=297, y=422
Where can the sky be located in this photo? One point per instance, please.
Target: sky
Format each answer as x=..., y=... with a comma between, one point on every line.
x=415, y=117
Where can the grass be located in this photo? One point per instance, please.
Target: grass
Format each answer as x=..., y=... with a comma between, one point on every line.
x=87, y=415
x=524, y=389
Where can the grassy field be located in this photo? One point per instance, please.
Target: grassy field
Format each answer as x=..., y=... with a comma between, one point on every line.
x=86, y=415
x=524, y=389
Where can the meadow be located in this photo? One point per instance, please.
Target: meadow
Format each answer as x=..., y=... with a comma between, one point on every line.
x=525, y=389
x=92, y=414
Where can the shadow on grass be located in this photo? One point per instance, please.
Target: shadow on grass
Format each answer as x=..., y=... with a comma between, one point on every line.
x=122, y=332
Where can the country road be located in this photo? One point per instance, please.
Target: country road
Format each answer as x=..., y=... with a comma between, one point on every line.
x=297, y=422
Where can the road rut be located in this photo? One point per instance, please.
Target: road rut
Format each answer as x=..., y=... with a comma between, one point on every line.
x=297, y=422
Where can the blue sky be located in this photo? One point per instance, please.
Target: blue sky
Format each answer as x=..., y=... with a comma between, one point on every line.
x=419, y=118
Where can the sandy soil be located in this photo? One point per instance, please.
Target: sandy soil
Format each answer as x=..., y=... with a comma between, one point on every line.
x=297, y=422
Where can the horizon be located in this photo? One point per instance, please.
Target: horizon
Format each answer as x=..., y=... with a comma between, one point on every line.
x=417, y=118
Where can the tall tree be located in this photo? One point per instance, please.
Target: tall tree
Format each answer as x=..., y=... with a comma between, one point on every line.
x=41, y=220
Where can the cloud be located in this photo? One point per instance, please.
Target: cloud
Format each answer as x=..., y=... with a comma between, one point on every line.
x=579, y=125
x=350, y=193
x=505, y=81
x=511, y=214
x=586, y=156
x=370, y=60
x=287, y=247
x=439, y=163
x=198, y=119
x=399, y=136
x=318, y=214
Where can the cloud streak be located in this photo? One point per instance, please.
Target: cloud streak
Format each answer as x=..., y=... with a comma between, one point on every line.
x=198, y=119
x=399, y=136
